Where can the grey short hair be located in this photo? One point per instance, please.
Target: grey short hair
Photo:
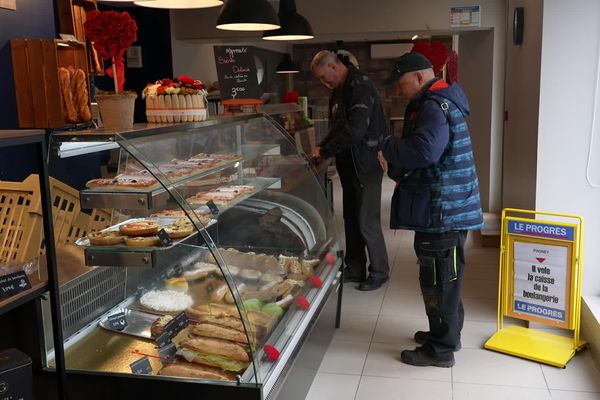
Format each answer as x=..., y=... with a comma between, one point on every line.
x=323, y=57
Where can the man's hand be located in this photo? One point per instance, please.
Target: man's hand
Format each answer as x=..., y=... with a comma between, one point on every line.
x=316, y=152
x=382, y=161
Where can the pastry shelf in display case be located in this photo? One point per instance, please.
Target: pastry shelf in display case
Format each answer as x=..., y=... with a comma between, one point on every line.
x=157, y=195
x=124, y=255
x=233, y=308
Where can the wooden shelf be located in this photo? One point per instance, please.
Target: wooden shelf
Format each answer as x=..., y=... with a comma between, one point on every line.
x=38, y=286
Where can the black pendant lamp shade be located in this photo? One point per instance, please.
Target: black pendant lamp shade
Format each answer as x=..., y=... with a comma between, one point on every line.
x=293, y=25
x=248, y=15
x=287, y=66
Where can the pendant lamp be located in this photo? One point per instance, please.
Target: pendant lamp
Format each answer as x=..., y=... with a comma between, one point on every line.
x=293, y=25
x=178, y=4
x=287, y=66
x=248, y=15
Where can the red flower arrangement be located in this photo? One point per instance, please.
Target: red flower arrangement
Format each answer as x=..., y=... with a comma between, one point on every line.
x=435, y=51
x=111, y=33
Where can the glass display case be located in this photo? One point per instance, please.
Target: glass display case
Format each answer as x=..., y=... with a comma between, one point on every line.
x=199, y=268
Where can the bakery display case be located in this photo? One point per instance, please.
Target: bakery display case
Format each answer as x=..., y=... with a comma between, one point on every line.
x=213, y=274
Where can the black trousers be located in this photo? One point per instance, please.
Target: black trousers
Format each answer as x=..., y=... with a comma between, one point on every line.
x=441, y=259
x=362, y=222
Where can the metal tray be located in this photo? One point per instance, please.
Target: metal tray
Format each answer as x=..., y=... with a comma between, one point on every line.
x=127, y=256
x=138, y=323
x=162, y=221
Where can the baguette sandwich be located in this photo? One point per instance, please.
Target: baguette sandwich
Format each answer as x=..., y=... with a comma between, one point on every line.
x=193, y=370
x=219, y=353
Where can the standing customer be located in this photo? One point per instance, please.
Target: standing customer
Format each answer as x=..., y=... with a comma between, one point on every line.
x=356, y=127
x=437, y=196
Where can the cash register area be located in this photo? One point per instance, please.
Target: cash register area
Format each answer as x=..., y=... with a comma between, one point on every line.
x=363, y=360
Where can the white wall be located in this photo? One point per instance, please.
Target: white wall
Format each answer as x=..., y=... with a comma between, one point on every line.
x=568, y=103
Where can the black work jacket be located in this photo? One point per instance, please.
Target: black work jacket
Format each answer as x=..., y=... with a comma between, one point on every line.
x=357, y=124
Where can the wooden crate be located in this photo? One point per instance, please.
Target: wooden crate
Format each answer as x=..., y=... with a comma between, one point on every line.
x=20, y=220
x=71, y=17
x=37, y=85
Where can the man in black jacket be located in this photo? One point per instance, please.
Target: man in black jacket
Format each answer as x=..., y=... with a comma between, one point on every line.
x=356, y=127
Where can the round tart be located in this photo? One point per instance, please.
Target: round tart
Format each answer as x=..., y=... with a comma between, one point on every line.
x=105, y=238
x=166, y=301
x=142, y=241
x=139, y=228
x=179, y=230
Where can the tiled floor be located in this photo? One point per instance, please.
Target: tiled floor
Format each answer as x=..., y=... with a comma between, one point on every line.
x=362, y=362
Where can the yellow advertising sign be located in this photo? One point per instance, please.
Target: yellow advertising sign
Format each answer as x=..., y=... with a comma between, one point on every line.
x=540, y=280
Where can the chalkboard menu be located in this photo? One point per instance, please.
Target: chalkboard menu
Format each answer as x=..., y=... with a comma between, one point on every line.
x=237, y=72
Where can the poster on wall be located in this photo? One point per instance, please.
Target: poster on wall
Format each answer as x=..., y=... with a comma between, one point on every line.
x=9, y=4
x=467, y=16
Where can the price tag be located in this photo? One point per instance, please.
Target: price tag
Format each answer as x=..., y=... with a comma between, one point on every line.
x=14, y=283
x=117, y=321
x=213, y=207
x=164, y=238
x=181, y=321
x=167, y=353
x=163, y=339
x=141, y=366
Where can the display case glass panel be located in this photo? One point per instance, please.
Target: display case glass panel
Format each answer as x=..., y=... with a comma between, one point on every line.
x=216, y=249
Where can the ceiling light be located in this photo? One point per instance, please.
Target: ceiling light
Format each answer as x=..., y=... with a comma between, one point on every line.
x=248, y=15
x=178, y=4
x=287, y=66
x=414, y=37
x=293, y=25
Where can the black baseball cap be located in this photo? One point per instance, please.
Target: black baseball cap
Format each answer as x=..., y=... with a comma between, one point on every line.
x=407, y=62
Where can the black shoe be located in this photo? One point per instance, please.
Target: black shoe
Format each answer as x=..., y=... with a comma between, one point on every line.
x=422, y=336
x=420, y=358
x=371, y=284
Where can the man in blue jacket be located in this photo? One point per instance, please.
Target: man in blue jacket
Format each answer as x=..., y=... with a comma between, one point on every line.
x=437, y=196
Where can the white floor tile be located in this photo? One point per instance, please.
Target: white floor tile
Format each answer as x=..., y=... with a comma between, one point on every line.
x=579, y=375
x=363, y=360
x=383, y=360
x=480, y=288
x=395, y=330
x=345, y=358
x=356, y=328
x=487, y=367
x=378, y=388
x=570, y=395
x=468, y=391
x=398, y=305
x=482, y=310
x=333, y=386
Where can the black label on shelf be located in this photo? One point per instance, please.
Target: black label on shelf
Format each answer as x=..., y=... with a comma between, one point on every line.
x=181, y=321
x=163, y=339
x=213, y=207
x=141, y=366
x=117, y=321
x=167, y=353
x=14, y=283
x=164, y=238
